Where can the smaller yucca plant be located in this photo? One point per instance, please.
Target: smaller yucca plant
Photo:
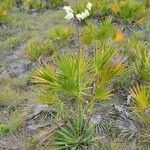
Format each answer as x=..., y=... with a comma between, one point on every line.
x=60, y=33
x=77, y=134
x=141, y=97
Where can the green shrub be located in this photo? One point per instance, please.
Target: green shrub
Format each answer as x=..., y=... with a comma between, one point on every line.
x=11, y=42
x=141, y=61
x=4, y=129
x=16, y=120
x=142, y=65
x=41, y=4
x=54, y=3
x=35, y=49
x=100, y=7
x=9, y=96
x=34, y=4
x=125, y=79
x=141, y=97
x=129, y=10
x=60, y=32
x=5, y=7
x=102, y=32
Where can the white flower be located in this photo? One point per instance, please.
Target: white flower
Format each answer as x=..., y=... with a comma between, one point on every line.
x=86, y=13
x=89, y=6
x=80, y=16
x=83, y=15
x=69, y=12
x=69, y=16
x=68, y=9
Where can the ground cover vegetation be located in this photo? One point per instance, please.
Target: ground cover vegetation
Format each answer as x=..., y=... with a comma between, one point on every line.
x=74, y=75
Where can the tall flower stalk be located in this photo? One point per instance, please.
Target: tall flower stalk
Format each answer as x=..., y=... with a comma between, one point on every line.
x=80, y=16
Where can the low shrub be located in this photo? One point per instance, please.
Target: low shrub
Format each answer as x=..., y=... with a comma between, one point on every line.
x=35, y=49
x=16, y=120
x=54, y=3
x=142, y=65
x=34, y=4
x=129, y=10
x=4, y=129
x=60, y=33
x=41, y=4
x=5, y=7
x=9, y=96
x=99, y=7
x=141, y=97
x=100, y=33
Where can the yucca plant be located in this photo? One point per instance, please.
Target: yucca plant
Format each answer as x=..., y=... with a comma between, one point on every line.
x=141, y=97
x=77, y=134
x=61, y=33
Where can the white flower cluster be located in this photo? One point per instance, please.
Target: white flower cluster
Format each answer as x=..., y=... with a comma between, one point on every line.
x=81, y=16
x=69, y=12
